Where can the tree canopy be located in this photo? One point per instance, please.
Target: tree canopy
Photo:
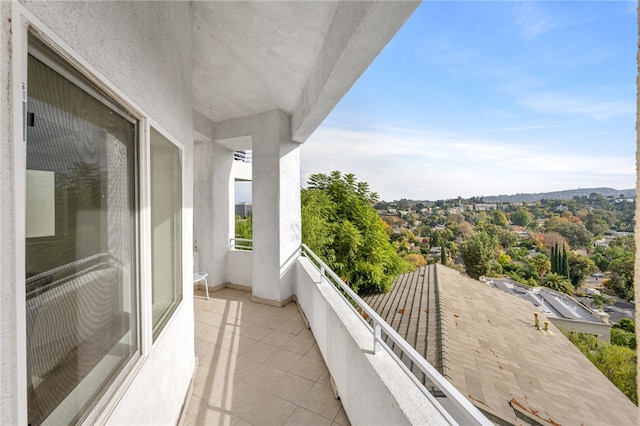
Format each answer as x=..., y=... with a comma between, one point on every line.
x=340, y=225
x=521, y=217
x=616, y=362
x=477, y=253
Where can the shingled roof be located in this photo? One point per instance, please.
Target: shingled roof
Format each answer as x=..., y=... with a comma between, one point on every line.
x=485, y=342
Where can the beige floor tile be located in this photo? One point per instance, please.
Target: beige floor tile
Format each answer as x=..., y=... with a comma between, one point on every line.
x=256, y=331
x=277, y=338
x=264, y=377
x=341, y=418
x=292, y=326
x=192, y=410
x=238, y=344
x=292, y=388
x=212, y=318
x=315, y=353
x=212, y=387
x=271, y=410
x=242, y=380
x=309, y=368
x=203, y=348
x=259, y=351
x=303, y=417
x=325, y=378
x=244, y=363
x=213, y=416
x=301, y=343
x=283, y=359
x=274, y=322
x=203, y=332
x=321, y=401
x=240, y=400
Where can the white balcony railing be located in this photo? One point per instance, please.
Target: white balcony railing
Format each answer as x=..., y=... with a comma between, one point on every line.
x=242, y=244
x=243, y=156
x=460, y=409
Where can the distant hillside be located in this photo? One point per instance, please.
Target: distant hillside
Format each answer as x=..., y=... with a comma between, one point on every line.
x=562, y=195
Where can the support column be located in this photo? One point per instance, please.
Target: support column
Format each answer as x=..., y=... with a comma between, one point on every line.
x=276, y=208
x=213, y=218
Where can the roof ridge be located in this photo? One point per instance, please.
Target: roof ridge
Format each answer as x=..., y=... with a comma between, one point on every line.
x=441, y=327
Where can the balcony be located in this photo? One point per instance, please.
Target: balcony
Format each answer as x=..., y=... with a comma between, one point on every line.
x=259, y=364
x=269, y=365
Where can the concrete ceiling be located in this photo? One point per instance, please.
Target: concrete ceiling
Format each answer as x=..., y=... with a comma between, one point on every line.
x=300, y=57
x=252, y=57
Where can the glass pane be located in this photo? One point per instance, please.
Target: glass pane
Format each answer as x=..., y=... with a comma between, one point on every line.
x=80, y=257
x=166, y=221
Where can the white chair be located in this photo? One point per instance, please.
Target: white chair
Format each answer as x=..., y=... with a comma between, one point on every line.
x=201, y=276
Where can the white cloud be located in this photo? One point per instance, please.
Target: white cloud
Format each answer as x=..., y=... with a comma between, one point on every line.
x=401, y=163
x=532, y=20
x=554, y=103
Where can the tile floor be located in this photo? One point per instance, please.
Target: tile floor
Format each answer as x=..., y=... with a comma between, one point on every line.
x=257, y=365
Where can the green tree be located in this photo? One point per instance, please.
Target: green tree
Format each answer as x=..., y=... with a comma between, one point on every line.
x=554, y=259
x=623, y=338
x=557, y=282
x=416, y=260
x=339, y=224
x=500, y=219
x=580, y=267
x=244, y=229
x=521, y=217
x=617, y=363
x=575, y=233
x=503, y=259
x=317, y=213
x=622, y=275
x=597, y=300
x=596, y=223
x=541, y=263
x=477, y=253
x=564, y=263
x=626, y=324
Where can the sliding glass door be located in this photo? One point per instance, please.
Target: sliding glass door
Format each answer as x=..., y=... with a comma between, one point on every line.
x=80, y=242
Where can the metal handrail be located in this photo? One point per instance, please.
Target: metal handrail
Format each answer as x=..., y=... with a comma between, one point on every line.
x=471, y=413
x=242, y=244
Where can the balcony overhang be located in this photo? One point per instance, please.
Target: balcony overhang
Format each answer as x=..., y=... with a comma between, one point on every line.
x=297, y=57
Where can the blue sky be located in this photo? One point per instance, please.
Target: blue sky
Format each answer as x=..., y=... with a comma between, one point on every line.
x=487, y=98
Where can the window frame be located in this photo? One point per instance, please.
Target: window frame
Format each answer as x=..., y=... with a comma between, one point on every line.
x=27, y=26
x=170, y=313
x=42, y=50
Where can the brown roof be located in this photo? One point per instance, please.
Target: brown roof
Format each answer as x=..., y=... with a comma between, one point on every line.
x=485, y=342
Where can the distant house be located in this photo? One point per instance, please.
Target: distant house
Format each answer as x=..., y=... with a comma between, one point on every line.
x=434, y=253
x=484, y=207
x=244, y=210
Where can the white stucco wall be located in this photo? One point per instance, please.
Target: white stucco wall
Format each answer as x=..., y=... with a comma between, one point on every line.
x=240, y=267
x=213, y=209
x=372, y=387
x=601, y=330
x=156, y=395
x=142, y=49
x=276, y=205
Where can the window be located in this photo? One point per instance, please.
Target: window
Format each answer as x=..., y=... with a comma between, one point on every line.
x=166, y=222
x=81, y=297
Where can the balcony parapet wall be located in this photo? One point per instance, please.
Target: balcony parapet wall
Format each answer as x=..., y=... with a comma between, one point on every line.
x=372, y=387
